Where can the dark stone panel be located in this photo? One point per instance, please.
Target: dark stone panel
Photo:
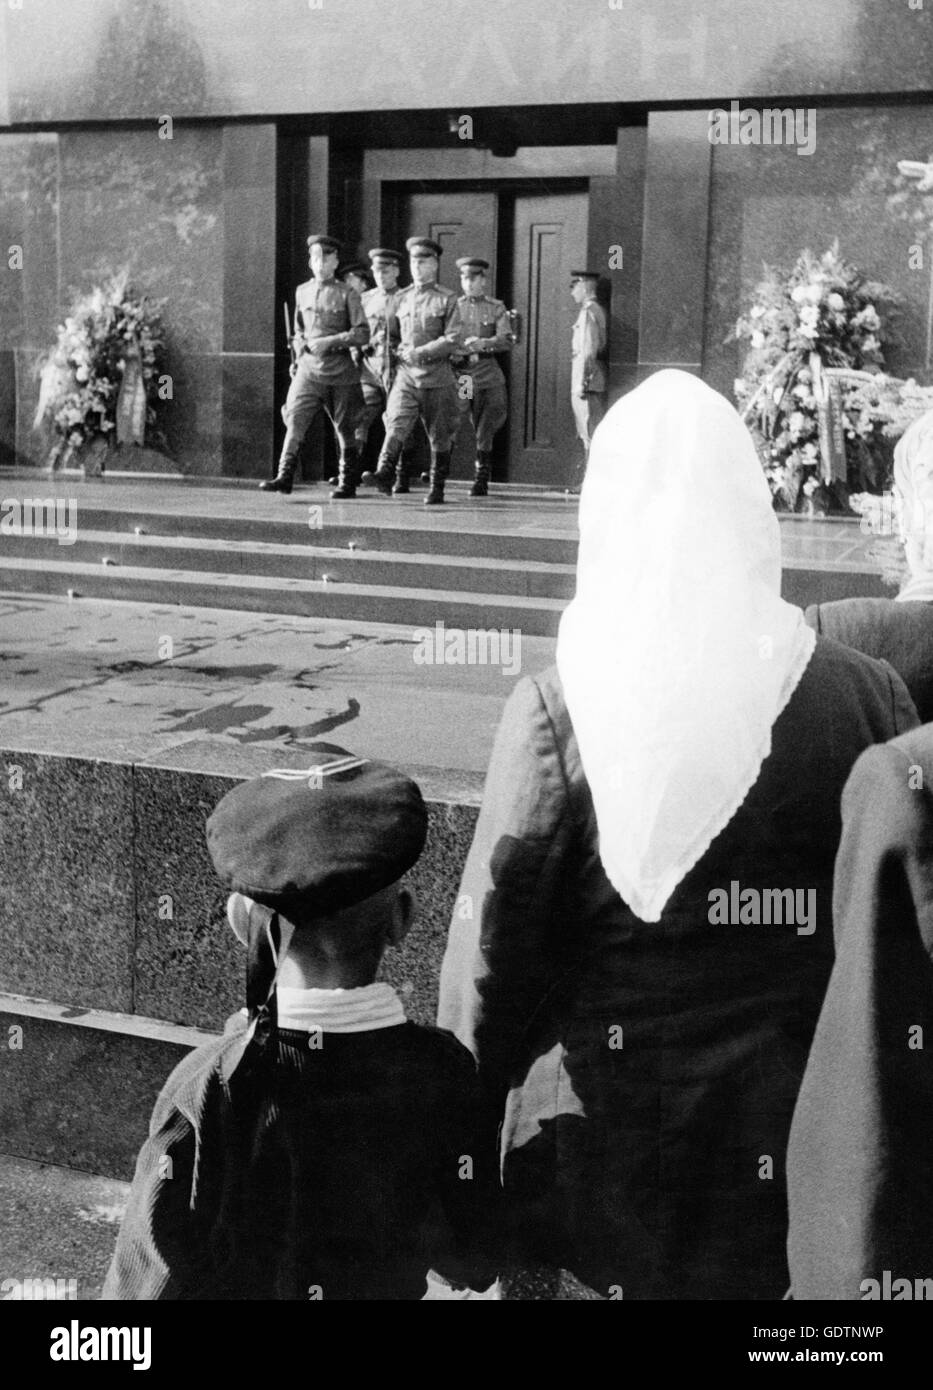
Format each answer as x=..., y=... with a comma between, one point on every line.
x=7, y=407
x=193, y=419
x=803, y=586
x=767, y=203
x=249, y=193
x=29, y=220
x=66, y=880
x=247, y=414
x=32, y=446
x=675, y=237
x=631, y=154
x=78, y=1096
x=130, y=199
x=190, y=969
x=87, y=59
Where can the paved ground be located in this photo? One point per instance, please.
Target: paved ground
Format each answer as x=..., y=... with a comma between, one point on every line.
x=56, y=1224
x=91, y=677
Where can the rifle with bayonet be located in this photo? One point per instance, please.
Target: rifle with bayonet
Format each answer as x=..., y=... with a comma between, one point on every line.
x=291, y=337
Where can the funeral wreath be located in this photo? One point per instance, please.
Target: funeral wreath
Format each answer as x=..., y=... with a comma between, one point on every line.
x=816, y=339
x=100, y=381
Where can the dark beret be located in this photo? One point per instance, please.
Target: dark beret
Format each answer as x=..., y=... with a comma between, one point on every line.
x=424, y=246
x=320, y=838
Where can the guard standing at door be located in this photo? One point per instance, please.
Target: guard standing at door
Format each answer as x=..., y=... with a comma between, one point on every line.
x=329, y=323
x=485, y=329
x=377, y=358
x=587, y=368
x=424, y=386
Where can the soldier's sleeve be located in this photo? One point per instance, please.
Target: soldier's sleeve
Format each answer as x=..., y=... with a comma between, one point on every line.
x=357, y=335
x=449, y=341
x=502, y=342
x=593, y=341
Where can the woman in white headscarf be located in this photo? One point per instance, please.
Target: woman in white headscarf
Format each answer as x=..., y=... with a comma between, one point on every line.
x=899, y=630
x=643, y=933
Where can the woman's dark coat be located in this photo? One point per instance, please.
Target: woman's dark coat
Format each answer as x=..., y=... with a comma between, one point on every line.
x=647, y=1071
x=860, y=1160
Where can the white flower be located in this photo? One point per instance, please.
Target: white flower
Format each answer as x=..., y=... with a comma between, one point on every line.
x=797, y=422
x=756, y=311
x=738, y=386
x=836, y=302
x=798, y=294
x=81, y=374
x=758, y=339
x=810, y=486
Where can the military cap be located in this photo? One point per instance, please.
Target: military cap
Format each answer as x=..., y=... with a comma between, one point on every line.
x=423, y=246
x=319, y=838
x=384, y=253
x=584, y=275
x=472, y=263
x=327, y=243
x=355, y=268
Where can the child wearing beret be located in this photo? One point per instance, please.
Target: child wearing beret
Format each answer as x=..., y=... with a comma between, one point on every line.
x=325, y=1147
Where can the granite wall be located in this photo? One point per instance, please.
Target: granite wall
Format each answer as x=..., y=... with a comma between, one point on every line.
x=767, y=203
x=108, y=899
x=192, y=219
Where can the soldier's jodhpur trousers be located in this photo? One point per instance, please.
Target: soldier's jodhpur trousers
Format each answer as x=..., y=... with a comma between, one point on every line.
x=436, y=406
x=307, y=396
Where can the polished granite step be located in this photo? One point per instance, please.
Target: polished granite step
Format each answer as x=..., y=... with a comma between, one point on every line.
x=327, y=564
x=312, y=598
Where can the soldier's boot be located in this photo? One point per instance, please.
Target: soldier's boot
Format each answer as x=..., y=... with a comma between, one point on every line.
x=282, y=482
x=440, y=467
x=481, y=474
x=401, y=477
x=349, y=476
x=384, y=476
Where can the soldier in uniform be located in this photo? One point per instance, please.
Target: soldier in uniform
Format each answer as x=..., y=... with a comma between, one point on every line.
x=356, y=275
x=377, y=358
x=330, y=323
x=485, y=329
x=424, y=386
x=588, y=345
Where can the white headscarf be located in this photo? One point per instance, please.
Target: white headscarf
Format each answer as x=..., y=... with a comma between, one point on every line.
x=913, y=480
x=677, y=654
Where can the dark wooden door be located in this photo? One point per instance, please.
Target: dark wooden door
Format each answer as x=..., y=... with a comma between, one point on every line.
x=550, y=241
x=465, y=224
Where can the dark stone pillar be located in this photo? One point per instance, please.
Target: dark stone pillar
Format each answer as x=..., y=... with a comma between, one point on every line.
x=673, y=285
x=249, y=322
